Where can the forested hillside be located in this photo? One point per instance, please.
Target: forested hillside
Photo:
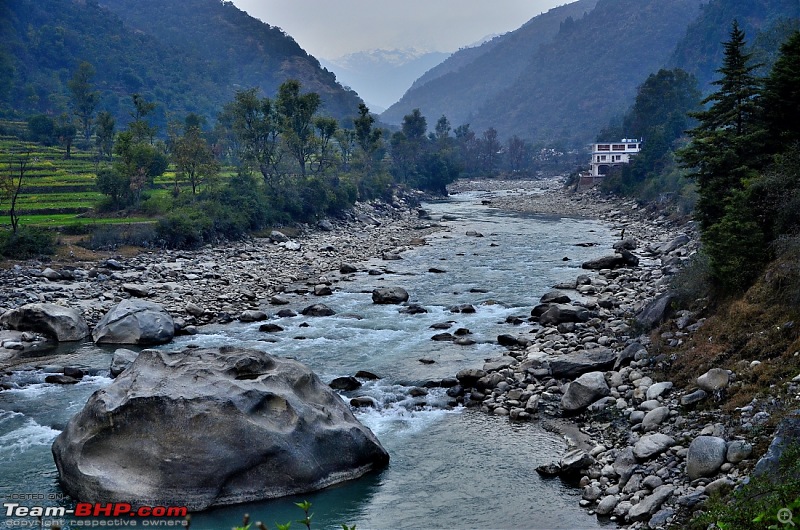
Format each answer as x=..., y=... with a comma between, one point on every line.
x=768, y=23
x=457, y=90
x=565, y=86
x=188, y=56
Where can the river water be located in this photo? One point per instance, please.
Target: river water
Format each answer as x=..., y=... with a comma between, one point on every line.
x=450, y=467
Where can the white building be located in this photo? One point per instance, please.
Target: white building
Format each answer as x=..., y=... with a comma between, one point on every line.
x=607, y=155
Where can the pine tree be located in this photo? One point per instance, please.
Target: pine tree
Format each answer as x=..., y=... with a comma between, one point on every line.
x=727, y=143
x=781, y=100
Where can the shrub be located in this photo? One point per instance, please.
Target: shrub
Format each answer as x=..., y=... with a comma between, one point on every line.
x=761, y=502
x=187, y=227
x=26, y=243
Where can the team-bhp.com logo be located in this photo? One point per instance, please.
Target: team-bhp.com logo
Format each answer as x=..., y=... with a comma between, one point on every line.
x=121, y=511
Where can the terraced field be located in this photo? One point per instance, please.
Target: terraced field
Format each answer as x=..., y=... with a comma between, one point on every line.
x=56, y=191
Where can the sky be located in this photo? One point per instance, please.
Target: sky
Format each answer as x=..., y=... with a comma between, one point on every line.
x=331, y=28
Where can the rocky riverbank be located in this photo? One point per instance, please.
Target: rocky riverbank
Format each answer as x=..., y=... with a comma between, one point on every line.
x=581, y=361
x=215, y=284
x=643, y=453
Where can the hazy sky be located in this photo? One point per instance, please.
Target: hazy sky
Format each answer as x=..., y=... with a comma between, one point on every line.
x=332, y=28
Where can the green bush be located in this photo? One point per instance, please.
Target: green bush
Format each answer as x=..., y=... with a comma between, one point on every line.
x=27, y=243
x=759, y=503
x=187, y=227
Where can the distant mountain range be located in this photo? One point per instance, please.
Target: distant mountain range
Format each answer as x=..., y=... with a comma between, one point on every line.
x=381, y=76
x=563, y=75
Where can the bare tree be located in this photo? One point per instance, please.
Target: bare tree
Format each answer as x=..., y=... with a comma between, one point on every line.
x=11, y=182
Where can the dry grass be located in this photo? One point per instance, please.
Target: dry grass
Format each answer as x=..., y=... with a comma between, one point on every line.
x=763, y=325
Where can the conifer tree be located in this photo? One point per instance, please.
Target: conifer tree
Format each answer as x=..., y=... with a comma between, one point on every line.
x=728, y=141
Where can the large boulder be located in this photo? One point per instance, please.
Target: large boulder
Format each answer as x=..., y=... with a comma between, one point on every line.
x=61, y=323
x=623, y=258
x=389, y=295
x=212, y=427
x=135, y=322
x=655, y=312
x=560, y=313
x=584, y=391
x=706, y=455
x=571, y=365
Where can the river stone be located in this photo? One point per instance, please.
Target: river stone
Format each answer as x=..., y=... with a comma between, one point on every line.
x=279, y=300
x=606, y=505
x=346, y=383
x=318, y=310
x=676, y=243
x=389, y=295
x=347, y=268
x=135, y=322
x=61, y=323
x=651, y=445
x=469, y=376
x=554, y=297
x=559, y=313
x=654, y=418
x=655, y=312
x=695, y=397
x=628, y=354
x=714, y=379
x=235, y=425
x=571, y=365
x=251, y=315
x=657, y=389
x=706, y=455
x=121, y=359
x=605, y=262
x=650, y=504
x=584, y=391
x=574, y=461
x=737, y=451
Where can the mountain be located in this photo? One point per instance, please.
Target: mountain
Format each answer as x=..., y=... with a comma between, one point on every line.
x=562, y=76
x=574, y=84
x=187, y=55
x=381, y=76
x=766, y=23
x=471, y=76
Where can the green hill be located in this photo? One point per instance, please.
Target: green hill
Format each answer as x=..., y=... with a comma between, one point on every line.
x=189, y=56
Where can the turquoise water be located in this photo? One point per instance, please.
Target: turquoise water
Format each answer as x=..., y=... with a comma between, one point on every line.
x=450, y=467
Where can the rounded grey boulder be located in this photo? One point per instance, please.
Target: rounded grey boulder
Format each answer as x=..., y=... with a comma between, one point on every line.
x=61, y=323
x=135, y=322
x=212, y=427
x=706, y=455
x=584, y=391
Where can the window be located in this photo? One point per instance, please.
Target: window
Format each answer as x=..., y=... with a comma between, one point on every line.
x=618, y=147
x=602, y=157
x=632, y=146
x=603, y=147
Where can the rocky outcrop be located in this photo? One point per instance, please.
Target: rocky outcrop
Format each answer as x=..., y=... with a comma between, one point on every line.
x=60, y=323
x=135, y=322
x=212, y=427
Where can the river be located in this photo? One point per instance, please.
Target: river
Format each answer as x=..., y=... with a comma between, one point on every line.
x=450, y=467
